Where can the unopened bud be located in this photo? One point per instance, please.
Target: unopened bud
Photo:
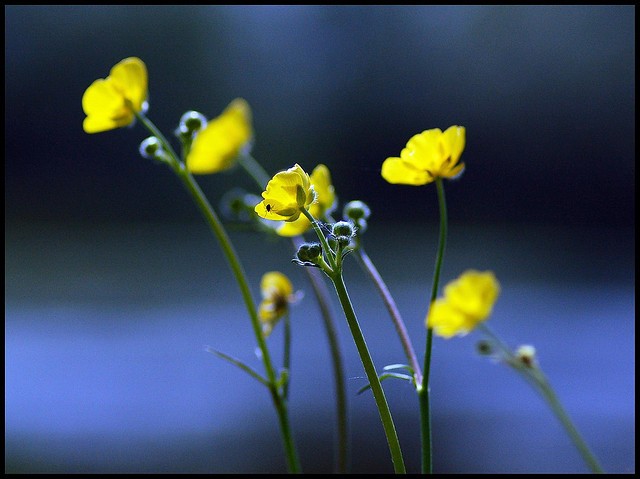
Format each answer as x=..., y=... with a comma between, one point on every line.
x=527, y=355
x=343, y=228
x=309, y=252
x=151, y=148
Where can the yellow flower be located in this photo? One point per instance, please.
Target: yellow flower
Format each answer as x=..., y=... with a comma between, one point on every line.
x=428, y=155
x=324, y=204
x=113, y=101
x=286, y=194
x=216, y=147
x=277, y=294
x=467, y=302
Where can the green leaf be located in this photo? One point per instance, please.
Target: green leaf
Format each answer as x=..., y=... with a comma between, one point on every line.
x=386, y=376
x=239, y=364
x=398, y=366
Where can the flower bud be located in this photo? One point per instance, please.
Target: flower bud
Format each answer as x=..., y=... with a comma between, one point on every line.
x=151, y=148
x=484, y=347
x=356, y=210
x=343, y=228
x=309, y=252
x=192, y=121
x=527, y=355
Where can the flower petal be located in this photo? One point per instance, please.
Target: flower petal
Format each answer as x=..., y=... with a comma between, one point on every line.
x=105, y=108
x=399, y=171
x=453, y=141
x=217, y=146
x=130, y=79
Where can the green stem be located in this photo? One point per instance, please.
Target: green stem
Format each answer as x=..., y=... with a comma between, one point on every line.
x=287, y=355
x=322, y=295
x=334, y=270
x=372, y=375
x=260, y=176
x=535, y=376
x=254, y=169
x=423, y=389
x=232, y=258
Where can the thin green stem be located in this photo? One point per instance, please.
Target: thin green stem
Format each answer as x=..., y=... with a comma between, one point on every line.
x=534, y=375
x=254, y=169
x=232, y=257
x=423, y=389
x=287, y=354
x=328, y=252
x=372, y=375
x=238, y=271
x=260, y=176
x=342, y=431
x=334, y=270
x=389, y=302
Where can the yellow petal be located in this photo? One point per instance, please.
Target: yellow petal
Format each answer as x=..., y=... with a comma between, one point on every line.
x=474, y=293
x=453, y=141
x=447, y=321
x=275, y=283
x=423, y=150
x=104, y=107
x=398, y=171
x=294, y=228
x=218, y=145
x=321, y=181
x=130, y=78
x=272, y=209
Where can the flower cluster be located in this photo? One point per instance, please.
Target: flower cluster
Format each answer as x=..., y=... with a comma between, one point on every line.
x=299, y=202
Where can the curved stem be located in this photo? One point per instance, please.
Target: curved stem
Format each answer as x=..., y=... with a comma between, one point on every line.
x=393, y=311
x=423, y=389
x=535, y=376
x=372, y=375
x=238, y=271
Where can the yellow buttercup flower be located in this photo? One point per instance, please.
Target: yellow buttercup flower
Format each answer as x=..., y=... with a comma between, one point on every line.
x=216, y=147
x=428, y=155
x=277, y=294
x=325, y=203
x=286, y=194
x=113, y=101
x=467, y=302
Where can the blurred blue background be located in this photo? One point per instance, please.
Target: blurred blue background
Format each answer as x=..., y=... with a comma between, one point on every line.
x=114, y=285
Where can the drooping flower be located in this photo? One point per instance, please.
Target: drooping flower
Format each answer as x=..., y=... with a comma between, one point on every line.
x=216, y=147
x=277, y=294
x=112, y=102
x=428, y=155
x=467, y=301
x=286, y=194
x=325, y=203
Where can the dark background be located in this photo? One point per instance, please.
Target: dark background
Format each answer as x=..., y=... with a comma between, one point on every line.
x=113, y=282
x=547, y=95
